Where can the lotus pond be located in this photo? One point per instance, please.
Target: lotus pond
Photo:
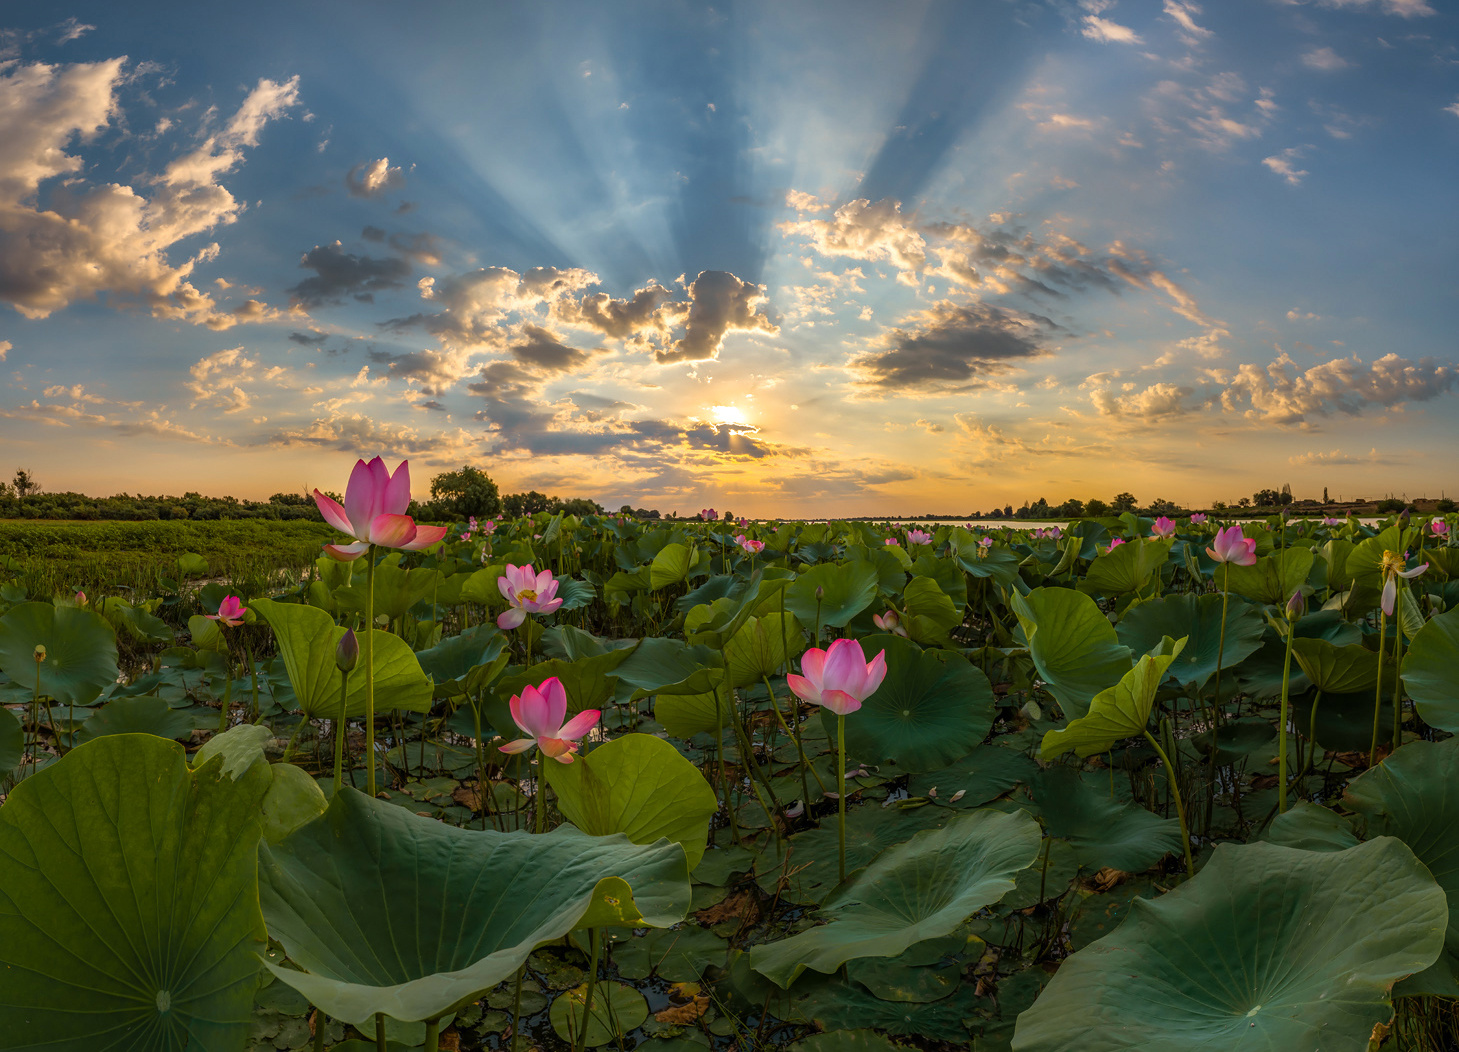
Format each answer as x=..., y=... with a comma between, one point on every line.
x=1131, y=784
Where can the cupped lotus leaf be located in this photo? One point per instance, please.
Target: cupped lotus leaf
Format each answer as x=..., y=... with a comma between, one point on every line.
x=1237, y=739
x=671, y=565
x=191, y=564
x=396, y=588
x=240, y=747
x=1414, y=795
x=951, y=580
x=135, y=622
x=450, y=661
x=988, y=771
x=307, y=638
x=917, y=890
x=1311, y=827
x=617, y=1009
x=1271, y=579
x=660, y=662
x=1122, y=711
x=205, y=634
x=638, y=785
x=890, y=577
x=845, y=590
x=81, y=651
x=12, y=741
x=128, y=910
x=1198, y=619
x=1428, y=671
x=930, y=612
x=997, y=562
x=932, y=709
x=1074, y=647
x=1265, y=948
x=759, y=647
x=293, y=798
x=685, y=715
x=1333, y=669
x=1102, y=831
x=144, y=715
x=1127, y=567
x=390, y=912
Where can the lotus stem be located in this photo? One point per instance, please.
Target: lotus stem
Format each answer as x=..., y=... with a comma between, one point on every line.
x=1172, y=776
x=1378, y=690
x=253, y=712
x=805, y=787
x=1282, y=722
x=433, y=1035
x=340, y=737
x=841, y=786
x=380, y=1032
x=595, y=944
x=1398, y=670
x=370, y=695
x=517, y=1007
x=227, y=691
x=318, y=1031
x=1216, y=698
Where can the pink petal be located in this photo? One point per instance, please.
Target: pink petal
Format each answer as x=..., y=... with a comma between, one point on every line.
x=845, y=667
x=396, y=498
x=533, y=713
x=580, y=724
x=346, y=553
x=545, y=592
x=505, y=587
x=333, y=513
x=510, y=619
x=839, y=702
x=1409, y=575
x=813, y=663
x=554, y=697
x=548, y=607
x=1390, y=595
x=803, y=688
x=360, y=501
x=543, y=581
x=392, y=531
x=520, y=745
x=875, y=673
x=425, y=536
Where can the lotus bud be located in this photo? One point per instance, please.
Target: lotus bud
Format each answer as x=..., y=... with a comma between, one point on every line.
x=820, y=593
x=1296, y=606
x=347, y=653
x=40, y=653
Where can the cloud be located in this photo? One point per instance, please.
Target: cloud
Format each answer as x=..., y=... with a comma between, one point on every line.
x=74, y=240
x=804, y=202
x=5, y=348
x=719, y=303
x=953, y=347
x=1453, y=108
x=1337, y=458
x=423, y=248
x=1325, y=59
x=1183, y=13
x=475, y=304
x=214, y=380
x=1401, y=8
x=866, y=231
x=650, y=313
x=1107, y=32
x=339, y=274
x=373, y=178
x=1279, y=394
x=1157, y=402
x=1285, y=164
x=312, y=338
x=72, y=29
x=543, y=352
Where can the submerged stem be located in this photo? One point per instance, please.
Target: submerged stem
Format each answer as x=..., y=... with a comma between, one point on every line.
x=1173, y=777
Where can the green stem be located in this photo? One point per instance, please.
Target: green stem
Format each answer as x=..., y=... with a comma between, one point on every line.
x=805, y=786
x=595, y=944
x=1378, y=690
x=318, y=1031
x=517, y=1008
x=340, y=742
x=1172, y=776
x=433, y=1035
x=253, y=674
x=370, y=687
x=1397, y=668
x=1282, y=724
x=380, y=1032
x=841, y=786
x=227, y=691
x=294, y=738
x=1216, y=699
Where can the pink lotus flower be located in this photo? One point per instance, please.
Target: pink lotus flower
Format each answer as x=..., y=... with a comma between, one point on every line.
x=1232, y=546
x=893, y=540
x=488, y=527
x=80, y=598
x=1198, y=518
x=751, y=546
x=839, y=677
x=1163, y=527
x=539, y=711
x=1327, y=521
x=708, y=514
x=919, y=537
x=230, y=612
x=891, y=622
x=529, y=592
x=374, y=512
x=1439, y=527
x=986, y=542
x=742, y=523
x=1392, y=569
x=1115, y=544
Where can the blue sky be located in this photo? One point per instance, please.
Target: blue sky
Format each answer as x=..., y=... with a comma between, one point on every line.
x=782, y=258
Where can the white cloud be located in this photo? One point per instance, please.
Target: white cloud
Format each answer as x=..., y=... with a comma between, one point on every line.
x=215, y=379
x=804, y=202
x=1279, y=394
x=1285, y=165
x=1325, y=59
x=866, y=231
x=1183, y=12
x=1107, y=32
x=5, y=348
x=1453, y=108
x=1401, y=8
x=373, y=178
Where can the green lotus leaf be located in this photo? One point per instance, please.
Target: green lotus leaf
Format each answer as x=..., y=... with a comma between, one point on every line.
x=998, y=563
x=293, y=798
x=1428, y=671
x=660, y=663
x=846, y=590
x=1198, y=618
x=1128, y=567
x=1334, y=669
x=307, y=640
x=1267, y=947
x=390, y=912
x=1074, y=647
x=205, y=634
x=1414, y=795
x=845, y=1041
x=588, y=681
x=1311, y=827
x=951, y=580
x=917, y=890
x=81, y=651
x=933, y=708
x=1102, y=831
x=12, y=741
x=450, y=661
x=758, y=648
x=931, y=613
x=1272, y=579
x=1122, y=711
x=135, y=622
x=1236, y=739
x=128, y=910
x=671, y=565
x=396, y=589
x=617, y=1009
x=988, y=771
x=638, y=785
x=144, y=715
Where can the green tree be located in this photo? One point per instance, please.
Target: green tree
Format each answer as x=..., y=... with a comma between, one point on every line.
x=1123, y=502
x=25, y=483
x=1096, y=508
x=464, y=493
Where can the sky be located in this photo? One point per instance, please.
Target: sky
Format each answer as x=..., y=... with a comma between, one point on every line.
x=783, y=258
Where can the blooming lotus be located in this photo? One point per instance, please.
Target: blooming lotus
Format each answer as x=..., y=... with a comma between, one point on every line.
x=374, y=508
x=986, y=542
x=742, y=523
x=1164, y=527
x=230, y=612
x=893, y=540
x=1392, y=569
x=1115, y=544
x=1198, y=518
x=839, y=677
x=488, y=527
x=539, y=711
x=1439, y=527
x=919, y=537
x=891, y=622
x=528, y=592
x=1232, y=546
x=708, y=514
x=752, y=546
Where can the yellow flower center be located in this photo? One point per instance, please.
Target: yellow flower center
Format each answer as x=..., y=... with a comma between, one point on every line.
x=526, y=595
x=1392, y=564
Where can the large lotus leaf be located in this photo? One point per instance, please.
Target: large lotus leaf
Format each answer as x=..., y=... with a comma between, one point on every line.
x=1414, y=795
x=1272, y=579
x=1266, y=948
x=671, y=565
x=1333, y=669
x=933, y=708
x=660, y=662
x=1429, y=671
x=81, y=651
x=1102, y=831
x=845, y=590
x=390, y=912
x=1074, y=647
x=1122, y=711
x=988, y=771
x=128, y=910
x=617, y=1009
x=685, y=715
x=1128, y=567
x=1311, y=827
x=638, y=785
x=951, y=580
x=930, y=611
x=450, y=661
x=144, y=715
x=1198, y=618
x=588, y=681
x=307, y=639
x=758, y=648
x=917, y=890
x=12, y=741
x=396, y=589
x=998, y=563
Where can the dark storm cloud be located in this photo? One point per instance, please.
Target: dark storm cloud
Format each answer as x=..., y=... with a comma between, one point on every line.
x=955, y=347
x=339, y=274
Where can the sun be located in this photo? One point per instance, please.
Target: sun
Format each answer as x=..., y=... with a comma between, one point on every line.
x=728, y=414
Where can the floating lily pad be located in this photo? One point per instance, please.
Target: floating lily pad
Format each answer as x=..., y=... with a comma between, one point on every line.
x=617, y=1008
x=986, y=772
x=143, y=715
x=81, y=651
x=1102, y=831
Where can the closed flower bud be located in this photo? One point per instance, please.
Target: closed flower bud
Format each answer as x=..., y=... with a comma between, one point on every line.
x=347, y=653
x=1296, y=606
